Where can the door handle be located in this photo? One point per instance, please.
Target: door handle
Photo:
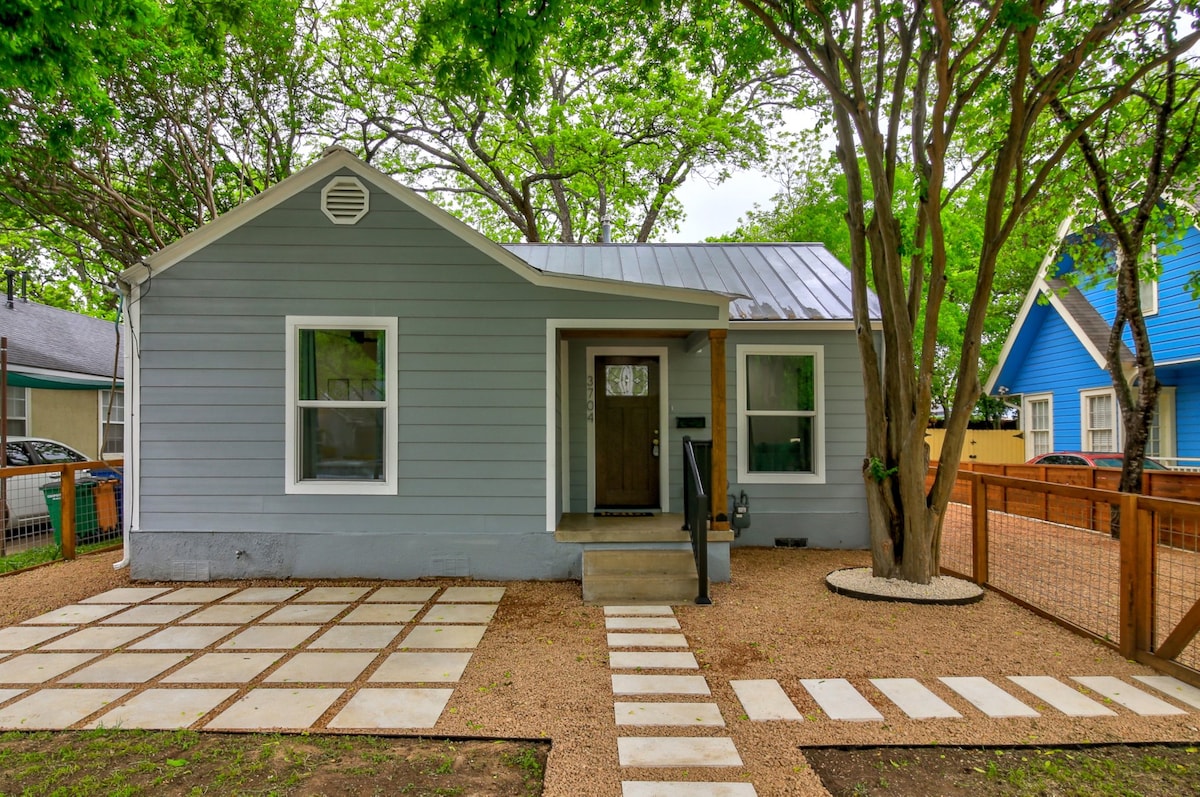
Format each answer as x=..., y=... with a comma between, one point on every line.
x=654, y=449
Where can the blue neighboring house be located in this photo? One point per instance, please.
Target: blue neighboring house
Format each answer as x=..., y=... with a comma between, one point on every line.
x=1053, y=361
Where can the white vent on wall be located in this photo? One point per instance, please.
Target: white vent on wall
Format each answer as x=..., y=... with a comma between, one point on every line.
x=345, y=200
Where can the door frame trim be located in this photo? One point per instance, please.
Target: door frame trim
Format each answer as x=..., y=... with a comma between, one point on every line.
x=664, y=458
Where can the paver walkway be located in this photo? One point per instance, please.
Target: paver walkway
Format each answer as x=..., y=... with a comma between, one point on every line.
x=243, y=659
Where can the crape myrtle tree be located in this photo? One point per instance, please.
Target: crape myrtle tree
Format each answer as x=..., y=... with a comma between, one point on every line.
x=1138, y=162
x=960, y=91
x=627, y=110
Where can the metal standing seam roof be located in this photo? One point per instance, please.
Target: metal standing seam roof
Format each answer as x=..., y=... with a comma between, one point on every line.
x=765, y=281
x=59, y=340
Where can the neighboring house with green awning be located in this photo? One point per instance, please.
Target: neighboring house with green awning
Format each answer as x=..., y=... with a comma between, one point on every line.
x=65, y=377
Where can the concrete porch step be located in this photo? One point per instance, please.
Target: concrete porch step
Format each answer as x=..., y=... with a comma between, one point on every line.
x=633, y=576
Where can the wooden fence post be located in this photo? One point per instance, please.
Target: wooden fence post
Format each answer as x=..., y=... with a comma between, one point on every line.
x=67, y=516
x=1136, y=578
x=979, y=530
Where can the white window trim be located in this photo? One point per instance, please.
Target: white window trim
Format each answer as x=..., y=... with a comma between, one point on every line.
x=1166, y=423
x=293, y=485
x=1027, y=416
x=1149, y=304
x=743, y=437
x=1084, y=395
x=118, y=419
x=28, y=410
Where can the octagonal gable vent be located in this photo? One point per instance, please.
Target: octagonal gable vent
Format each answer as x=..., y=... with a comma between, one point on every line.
x=345, y=200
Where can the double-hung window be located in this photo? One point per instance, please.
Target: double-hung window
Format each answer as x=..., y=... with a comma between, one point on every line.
x=17, y=416
x=341, y=414
x=1099, y=421
x=112, y=422
x=781, y=421
x=1039, y=424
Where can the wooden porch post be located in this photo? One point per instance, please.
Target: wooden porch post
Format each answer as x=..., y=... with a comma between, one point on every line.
x=720, y=478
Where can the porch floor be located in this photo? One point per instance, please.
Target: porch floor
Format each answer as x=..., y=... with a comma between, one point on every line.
x=661, y=527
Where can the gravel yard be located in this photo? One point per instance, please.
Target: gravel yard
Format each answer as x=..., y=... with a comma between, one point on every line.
x=542, y=669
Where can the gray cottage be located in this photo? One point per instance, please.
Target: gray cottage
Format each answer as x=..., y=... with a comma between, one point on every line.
x=339, y=379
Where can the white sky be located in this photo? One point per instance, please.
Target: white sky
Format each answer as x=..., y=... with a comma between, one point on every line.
x=716, y=209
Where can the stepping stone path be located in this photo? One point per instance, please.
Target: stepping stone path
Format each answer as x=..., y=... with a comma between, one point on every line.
x=245, y=659
x=766, y=701
x=656, y=627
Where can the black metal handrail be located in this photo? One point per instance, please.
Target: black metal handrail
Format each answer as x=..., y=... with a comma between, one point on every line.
x=696, y=519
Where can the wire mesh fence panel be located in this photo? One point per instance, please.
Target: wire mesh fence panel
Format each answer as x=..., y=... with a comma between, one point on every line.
x=1063, y=567
x=1177, y=576
x=957, y=547
x=31, y=507
x=24, y=509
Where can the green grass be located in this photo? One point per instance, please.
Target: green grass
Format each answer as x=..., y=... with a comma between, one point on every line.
x=33, y=557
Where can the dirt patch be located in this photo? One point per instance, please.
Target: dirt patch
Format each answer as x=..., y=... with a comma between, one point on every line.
x=1145, y=770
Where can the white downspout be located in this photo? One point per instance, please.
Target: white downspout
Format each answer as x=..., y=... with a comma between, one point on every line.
x=131, y=398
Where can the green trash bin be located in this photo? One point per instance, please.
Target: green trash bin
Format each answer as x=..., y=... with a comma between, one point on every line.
x=85, y=508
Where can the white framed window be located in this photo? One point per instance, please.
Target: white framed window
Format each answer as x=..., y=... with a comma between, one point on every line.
x=341, y=405
x=1100, y=429
x=1148, y=286
x=112, y=423
x=781, y=414
x=17, y=415
x=1161, y=441
x=1037, y=412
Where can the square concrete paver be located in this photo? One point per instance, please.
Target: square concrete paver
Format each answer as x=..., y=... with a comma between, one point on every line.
x=764, y=701
x=305, y=613
x=641, y=623
x=383, y=613
x=659, y=685
x=228, y=613
x=619, y=640
x=386, y=709
x=263, y=595
x=401, y=595
x=622, y=660
x=332, y=594
x=681, y=788
x=184, y=637
x=1063, y=697
x=638, y=611
x=422, y=668
x=460, y=613
x=264, y=708
x=838, y=698
x=126, y=595
x=125, y=668
x=357, y=637
x=677, y=714
x=223, y=668
x=101, y=637
x=444, y=636
x=56, y=709
x=332, y=668
x=36, y=668
x=195, y=595
x=1130, y=697
x=150, y=614
x=914, y=699
x=472, y=595
x=268, y=637
x=76, y=614
x=163, y=709
x=19, y=637
x=677, y=751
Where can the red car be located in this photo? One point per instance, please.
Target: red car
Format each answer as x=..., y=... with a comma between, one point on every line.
x=1091, y=459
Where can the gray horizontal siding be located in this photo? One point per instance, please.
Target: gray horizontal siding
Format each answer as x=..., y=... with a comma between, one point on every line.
x=471, y=382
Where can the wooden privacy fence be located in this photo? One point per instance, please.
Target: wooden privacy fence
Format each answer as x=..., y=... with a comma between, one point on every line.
x=1138, y=592
x=982, y=445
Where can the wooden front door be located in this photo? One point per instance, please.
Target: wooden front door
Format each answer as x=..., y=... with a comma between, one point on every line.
x=628, y=440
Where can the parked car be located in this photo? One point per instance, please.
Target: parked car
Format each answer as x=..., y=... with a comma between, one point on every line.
x=1090, y=459
x=23, y=494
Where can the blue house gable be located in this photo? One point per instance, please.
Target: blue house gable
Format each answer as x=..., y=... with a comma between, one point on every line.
x=1053, y=361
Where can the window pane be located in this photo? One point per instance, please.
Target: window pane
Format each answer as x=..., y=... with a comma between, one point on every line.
x=341, y=365
x=17, y=398
x=780, y=444
x=114, y=438
x=780, y=382
x=1041, y=442
x=54, y=453
x=1099, y=412
x=1102, y=440
x=16, y=455
x=341, y=443
x=1039, y=415
x=627, y=380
